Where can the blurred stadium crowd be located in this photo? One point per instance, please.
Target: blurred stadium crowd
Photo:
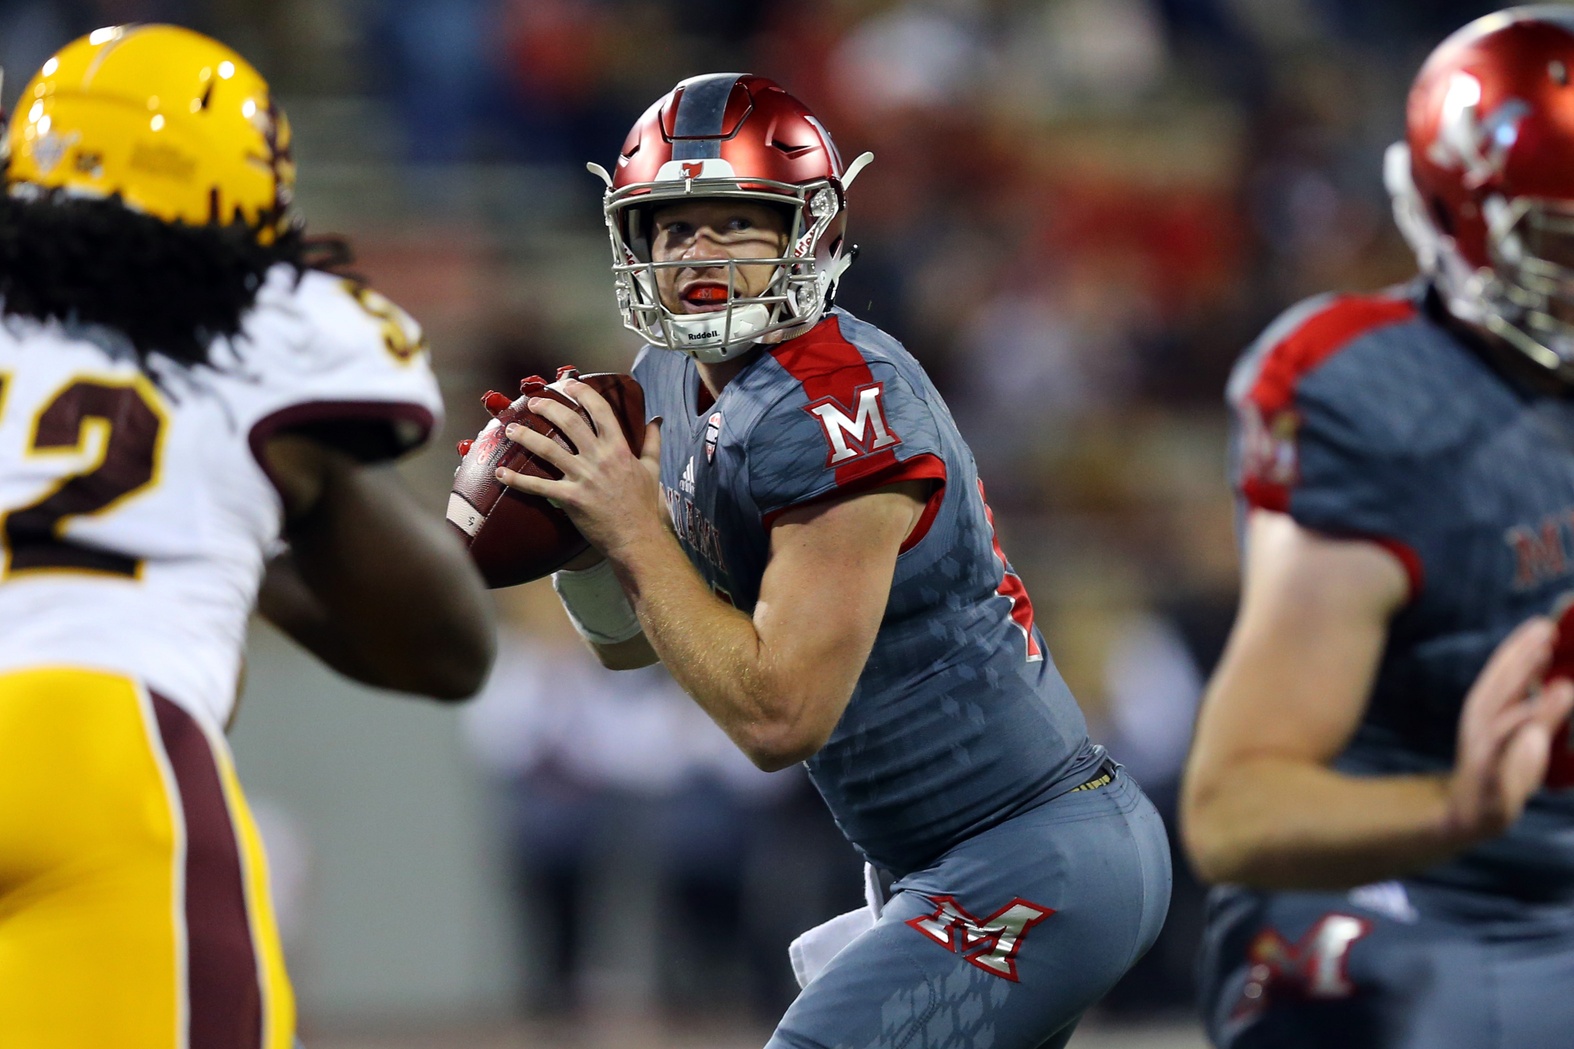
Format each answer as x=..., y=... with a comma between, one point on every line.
x=1079, y=213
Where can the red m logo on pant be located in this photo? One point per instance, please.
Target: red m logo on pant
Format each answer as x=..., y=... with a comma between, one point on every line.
x=990, y=944
x=1314, y=966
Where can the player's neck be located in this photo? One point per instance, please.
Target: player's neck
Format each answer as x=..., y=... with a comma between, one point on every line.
x=715, y=377
x=1513, y=365
x=1518, y=370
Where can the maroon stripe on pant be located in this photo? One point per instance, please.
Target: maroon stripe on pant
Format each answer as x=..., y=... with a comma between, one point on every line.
x=224, y=997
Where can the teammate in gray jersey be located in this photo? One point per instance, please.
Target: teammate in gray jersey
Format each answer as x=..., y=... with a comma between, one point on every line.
x=1371, y=778
x=805, y=544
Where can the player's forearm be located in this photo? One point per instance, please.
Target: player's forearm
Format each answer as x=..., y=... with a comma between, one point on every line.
x=1277, y=823
x=395, y=647
x=714, y=651
x=401, y=601
x=289, y=604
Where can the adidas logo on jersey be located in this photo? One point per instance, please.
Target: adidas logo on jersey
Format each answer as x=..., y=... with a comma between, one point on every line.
x=686, y=482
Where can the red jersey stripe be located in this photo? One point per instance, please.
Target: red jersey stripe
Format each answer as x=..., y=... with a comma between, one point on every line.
x=925, y=467
x=828, y=366
x=1407, y=557
x=922, y=467
x=1318, y=338
x=1011, y=586
x=1281, y=368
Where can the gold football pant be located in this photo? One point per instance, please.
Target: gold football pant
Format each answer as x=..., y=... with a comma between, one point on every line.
x=134, y=907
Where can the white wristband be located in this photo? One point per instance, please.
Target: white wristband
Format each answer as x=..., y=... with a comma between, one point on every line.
x=596, y=605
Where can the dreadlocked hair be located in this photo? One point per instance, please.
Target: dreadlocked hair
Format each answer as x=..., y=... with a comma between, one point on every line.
x=169, y=287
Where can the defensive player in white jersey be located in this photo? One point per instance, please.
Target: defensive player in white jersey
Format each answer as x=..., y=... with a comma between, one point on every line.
x=182, y=384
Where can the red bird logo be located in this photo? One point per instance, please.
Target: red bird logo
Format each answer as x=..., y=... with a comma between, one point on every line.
x=1473, y=141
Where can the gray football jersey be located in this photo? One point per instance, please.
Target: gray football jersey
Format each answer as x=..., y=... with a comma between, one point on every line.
x=1365, y=416
x=960, y=718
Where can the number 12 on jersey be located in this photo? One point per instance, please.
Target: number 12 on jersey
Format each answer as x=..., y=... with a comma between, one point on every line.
x=122, y=423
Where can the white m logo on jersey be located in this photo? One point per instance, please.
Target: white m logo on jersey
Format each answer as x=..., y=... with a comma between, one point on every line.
x=861, y=433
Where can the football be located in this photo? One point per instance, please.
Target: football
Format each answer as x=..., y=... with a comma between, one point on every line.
x=513, y=537
x=1560, y=766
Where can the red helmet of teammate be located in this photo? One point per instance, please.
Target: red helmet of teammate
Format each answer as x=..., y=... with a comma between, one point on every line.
x=739, y=136
x=1483, y=186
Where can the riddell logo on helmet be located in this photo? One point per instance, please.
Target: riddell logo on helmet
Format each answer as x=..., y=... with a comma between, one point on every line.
x=697, y=336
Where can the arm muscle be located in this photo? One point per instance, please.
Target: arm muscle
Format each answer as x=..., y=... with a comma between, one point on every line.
x=1260, y=804
x=373, y=585
x=778, y=682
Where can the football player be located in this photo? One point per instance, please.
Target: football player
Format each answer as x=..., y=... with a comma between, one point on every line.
x=1371, y=778
x=805, y=544
x=181, y=384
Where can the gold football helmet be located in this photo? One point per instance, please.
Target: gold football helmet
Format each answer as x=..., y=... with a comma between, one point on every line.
x=177, y=124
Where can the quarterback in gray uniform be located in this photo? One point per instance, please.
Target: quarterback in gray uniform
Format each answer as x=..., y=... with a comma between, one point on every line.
x=805, y=544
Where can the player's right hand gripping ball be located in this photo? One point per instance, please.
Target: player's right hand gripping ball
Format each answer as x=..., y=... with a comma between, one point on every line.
x=514, y=537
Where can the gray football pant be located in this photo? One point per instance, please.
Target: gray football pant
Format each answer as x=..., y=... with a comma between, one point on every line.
x=1393, y=966
x=1004, y=941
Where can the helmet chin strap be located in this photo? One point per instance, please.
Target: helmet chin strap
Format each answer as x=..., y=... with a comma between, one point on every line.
x=702, y=335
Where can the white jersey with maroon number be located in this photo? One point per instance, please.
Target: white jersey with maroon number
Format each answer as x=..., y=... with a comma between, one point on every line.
x=134, y=514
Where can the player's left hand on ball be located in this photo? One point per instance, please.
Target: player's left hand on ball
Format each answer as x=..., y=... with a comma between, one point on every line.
x=610, y=494
x=1505, y=733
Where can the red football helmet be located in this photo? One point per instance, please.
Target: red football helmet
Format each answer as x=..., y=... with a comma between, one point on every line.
x=739, y=136
x=1483, y=186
